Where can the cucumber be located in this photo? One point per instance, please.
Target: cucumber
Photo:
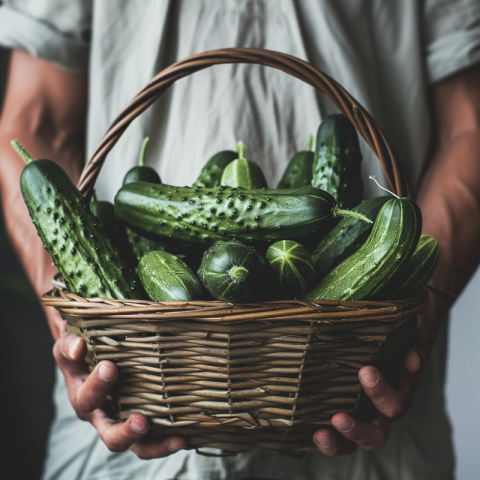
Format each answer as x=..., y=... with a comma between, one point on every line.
x=299, y=170
x=418, y=271
x=337, y=162
x=243, y=172
x=198, y=216
x=292, y=266
x=212, y=171
x=346, y=238
x=116, y=232
x=233, y=272
x=165, y=278
x=77, y=242
x=370, y=269
x=142, y=173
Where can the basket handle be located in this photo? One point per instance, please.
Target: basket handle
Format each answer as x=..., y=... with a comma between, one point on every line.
x=361, y=119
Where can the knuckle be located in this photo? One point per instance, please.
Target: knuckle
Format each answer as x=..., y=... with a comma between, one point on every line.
x=113, y=446
x=81, y=405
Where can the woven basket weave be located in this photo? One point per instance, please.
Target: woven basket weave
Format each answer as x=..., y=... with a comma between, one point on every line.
x=243, y=376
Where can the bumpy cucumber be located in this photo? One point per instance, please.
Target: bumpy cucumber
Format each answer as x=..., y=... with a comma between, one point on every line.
x=346, y=238
x=212, y=171
x=233, y=272
x=292, y=265
x=166, y=277
x=142, y=173
x=370, y=269
x=116, y=232
x=337, y=162
x=243, y=172
x=77, y=242
x=299, y=170
x=418, y=271
x=199, y=216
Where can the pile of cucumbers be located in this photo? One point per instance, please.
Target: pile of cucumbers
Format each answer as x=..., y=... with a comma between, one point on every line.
x=231, y=238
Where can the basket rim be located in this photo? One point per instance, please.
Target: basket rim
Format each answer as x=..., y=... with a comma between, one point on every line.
x=319, y=311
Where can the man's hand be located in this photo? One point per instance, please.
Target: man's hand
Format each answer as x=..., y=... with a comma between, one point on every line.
x=88, y=393
x=391, y=405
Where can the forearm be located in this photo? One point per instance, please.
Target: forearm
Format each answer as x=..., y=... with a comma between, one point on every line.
x=45, y=110
x=450, y=201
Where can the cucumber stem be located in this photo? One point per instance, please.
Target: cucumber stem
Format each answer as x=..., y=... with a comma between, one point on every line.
x=17, y=146
x=238, y=274
x=241, y=150
x=141, y=160
x=338, y=212
x=309, y=143
x=94, y=196
x=372, y=177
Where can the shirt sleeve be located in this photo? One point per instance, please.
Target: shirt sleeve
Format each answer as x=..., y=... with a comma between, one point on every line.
x=451, y=36
x=54, y=30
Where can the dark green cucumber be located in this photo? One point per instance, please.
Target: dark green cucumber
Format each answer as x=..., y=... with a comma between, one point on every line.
x=166, y=278
x=142, y=173
x=337, y=162
x=212, y=171
x=77, y=242
x=233, y=272
x=292, y=265
x=299, y=170
x=139, y=245
x=346, y=237
x=199, y=216
x=243, y=172
x=370, y=269
x=418, y=271
x=116, y=232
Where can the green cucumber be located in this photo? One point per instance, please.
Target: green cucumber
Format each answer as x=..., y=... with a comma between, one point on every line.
x=292, y=266
x=243, y=172
x=198, y=216
x=346, y=238
x=337, y=162
x=90, y=265
x=142, y=173
x=418, y=271
x=299, y=170
x=233, y=272
x=370, y=269
x=116, y=232
x=212, y=171
x=166, y=277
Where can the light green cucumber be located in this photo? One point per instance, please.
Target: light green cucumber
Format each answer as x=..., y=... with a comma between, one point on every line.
x=243, y=172
x=165, y=278
x=367, y=272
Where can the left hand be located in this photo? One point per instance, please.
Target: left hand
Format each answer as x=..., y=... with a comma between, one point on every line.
x=391, y=405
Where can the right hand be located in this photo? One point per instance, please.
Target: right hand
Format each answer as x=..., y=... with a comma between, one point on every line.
x=88, y=393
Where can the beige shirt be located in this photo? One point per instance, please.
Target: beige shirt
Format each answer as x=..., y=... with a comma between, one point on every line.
x=385, y=53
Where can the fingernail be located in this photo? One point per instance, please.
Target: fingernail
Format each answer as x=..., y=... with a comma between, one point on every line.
x=105, y=372
x=343, y=425
x=369, y=378
x=73, y=346
x=324, y=441
x=174, y=445
x=138, y=425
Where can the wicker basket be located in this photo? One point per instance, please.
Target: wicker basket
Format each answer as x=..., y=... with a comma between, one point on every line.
x=243, y=376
